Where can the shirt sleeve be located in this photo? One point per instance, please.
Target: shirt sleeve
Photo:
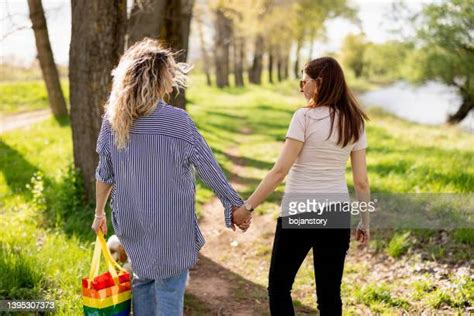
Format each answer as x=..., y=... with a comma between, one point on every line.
x=212, y=175
x=296, y=130
x=104, y=171
x=361, y=143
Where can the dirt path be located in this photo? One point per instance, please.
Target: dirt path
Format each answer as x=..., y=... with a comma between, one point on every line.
x=14, y=121
x=220, y=288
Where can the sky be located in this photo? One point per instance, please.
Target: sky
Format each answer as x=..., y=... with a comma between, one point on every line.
x=17, y=41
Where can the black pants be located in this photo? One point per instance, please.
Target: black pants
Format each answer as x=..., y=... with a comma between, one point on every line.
x=290, y=248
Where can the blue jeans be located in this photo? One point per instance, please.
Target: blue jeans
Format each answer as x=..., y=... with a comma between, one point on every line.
x=160, y=296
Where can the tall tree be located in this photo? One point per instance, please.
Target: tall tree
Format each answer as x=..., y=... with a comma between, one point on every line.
x=352, y=52
x=308, y=23
x=239, y=59
x=446, y=44
x=279, y=36
x=255, y=72
x=223, y=34
x=258, y=29
x=198, y=12
x=168, y=21
x=97, y=41
x=46, y=59
x=271, y=62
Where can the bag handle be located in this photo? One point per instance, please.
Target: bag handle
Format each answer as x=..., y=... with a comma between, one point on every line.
x=101, y=247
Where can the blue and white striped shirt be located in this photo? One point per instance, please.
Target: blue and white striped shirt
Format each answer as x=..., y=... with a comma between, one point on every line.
x=153, y=194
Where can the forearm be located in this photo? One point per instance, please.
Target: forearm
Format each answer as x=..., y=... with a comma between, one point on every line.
x=363, y=195
x=271, y=181
x=102, y=192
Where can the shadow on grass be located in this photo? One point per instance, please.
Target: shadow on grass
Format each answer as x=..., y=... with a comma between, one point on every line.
x=15, y=168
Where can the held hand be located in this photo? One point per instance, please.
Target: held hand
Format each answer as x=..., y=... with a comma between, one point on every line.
x=362, y=235
x=99, y=223
x=241, y=217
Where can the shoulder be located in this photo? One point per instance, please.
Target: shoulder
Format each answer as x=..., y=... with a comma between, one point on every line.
x=301, y=111
x=300, y=114
x=105, y=127
x=179, y=117
x=180, y=122
x=319, y=113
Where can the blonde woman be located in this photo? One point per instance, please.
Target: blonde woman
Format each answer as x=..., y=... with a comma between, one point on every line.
x=148, y=152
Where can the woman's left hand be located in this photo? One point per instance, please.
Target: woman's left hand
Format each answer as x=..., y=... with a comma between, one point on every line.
x=362, y=235
x=100, y=223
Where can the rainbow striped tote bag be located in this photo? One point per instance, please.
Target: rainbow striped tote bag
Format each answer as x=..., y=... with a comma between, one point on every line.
x=109, y=293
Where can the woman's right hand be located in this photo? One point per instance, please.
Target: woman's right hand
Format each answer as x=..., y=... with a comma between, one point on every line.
x=362, y=234
x=241, y=217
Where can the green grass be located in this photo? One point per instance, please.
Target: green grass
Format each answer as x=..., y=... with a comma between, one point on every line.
x=22, y=96
x=399, y=244
x=41, y=203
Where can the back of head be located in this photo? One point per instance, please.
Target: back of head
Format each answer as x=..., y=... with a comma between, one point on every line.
x=146, y=73
x=333, y=92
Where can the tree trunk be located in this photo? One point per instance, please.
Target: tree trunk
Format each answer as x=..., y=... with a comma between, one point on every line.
x=222, y=44
x=202, y=42
x=296, y=69
x=239, y=46
x=168, y=21
x=466, y=106
x=270, y=65
x=286, y=66
x=279, y=61
x=311, y=44
x=46, y=59
x=92, y=56
x=146, y=20
x=255, y=73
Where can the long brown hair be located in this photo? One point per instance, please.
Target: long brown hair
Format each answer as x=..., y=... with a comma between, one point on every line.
x=333, y=91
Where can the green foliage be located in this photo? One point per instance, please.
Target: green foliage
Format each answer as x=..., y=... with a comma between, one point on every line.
x=373, y=294
x=385, y=62
x=444, y=39
x=352, y=53
x=377, y=62
x=399, y=244
x=20, y=275
x=23, y=96
x=464, y=235
x=37, y=190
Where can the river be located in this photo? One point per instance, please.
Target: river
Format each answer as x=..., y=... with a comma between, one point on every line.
x=426, y=104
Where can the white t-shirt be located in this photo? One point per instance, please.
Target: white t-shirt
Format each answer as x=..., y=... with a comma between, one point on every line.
x=320, y=166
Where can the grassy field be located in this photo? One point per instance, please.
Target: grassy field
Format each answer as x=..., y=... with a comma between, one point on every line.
x=46, y=241
x=23, y=96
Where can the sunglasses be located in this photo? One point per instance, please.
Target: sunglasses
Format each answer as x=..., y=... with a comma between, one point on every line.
x=304, y=82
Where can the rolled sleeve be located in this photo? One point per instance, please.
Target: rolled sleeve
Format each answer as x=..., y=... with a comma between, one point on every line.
x=212, y=175
x=104, y=171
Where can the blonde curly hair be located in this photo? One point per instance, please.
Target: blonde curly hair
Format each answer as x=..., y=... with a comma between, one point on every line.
x=146, y=73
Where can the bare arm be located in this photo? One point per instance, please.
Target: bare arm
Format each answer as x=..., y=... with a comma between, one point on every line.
x=102, y=192
x=361, y=181
x=291, y=150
